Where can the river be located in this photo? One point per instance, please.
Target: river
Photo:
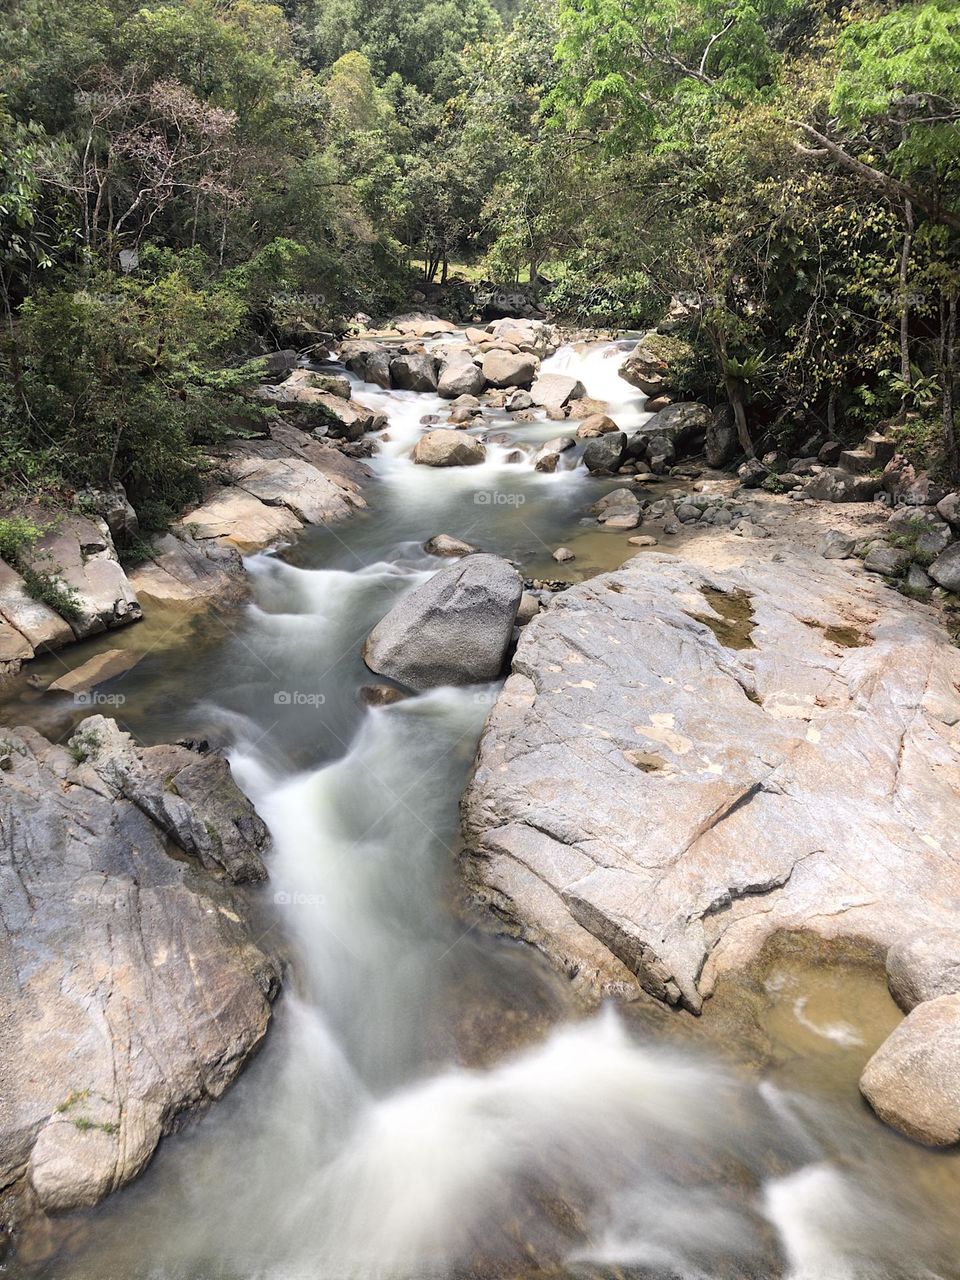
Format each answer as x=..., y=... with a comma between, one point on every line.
x=430, y=1101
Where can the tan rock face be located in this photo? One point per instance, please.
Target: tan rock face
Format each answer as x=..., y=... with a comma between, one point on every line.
x=913, y=1079
x=504, y=369
x=139, y=991
x=804, y=727
x=598, y=424
x=445, y=448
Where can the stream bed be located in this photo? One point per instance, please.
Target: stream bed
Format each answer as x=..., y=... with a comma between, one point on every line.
x=430, y=1101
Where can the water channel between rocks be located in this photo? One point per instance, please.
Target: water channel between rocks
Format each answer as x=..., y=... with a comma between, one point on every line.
x=430, y=1102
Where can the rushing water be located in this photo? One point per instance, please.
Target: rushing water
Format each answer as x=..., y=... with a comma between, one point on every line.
x=428, y=1103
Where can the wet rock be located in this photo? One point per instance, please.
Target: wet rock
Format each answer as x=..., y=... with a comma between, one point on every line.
x=546, y=462
x=518, y=401
x=597, y=424
x=670, y=877
x=556, y=389
x=835, y=545
x=113, y=662
x=830, y=453
x=448, y=449
x=442, y=544
x=459, y=378
x=140, y=990
x=454, y=629
x=563, y=555
x=889, y=561
x=416, y=372
x=924, y=966
x=945, y=570
x=381, y=695
x=369, y=360
x=643, y=540
x=605, y=453
x=504, y=369
x=913, y=1080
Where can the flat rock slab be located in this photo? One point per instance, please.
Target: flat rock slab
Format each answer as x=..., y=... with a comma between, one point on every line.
x=186, y=570
x=104, y=666
x=131, y=988
x=36, y=622
x=685, y=761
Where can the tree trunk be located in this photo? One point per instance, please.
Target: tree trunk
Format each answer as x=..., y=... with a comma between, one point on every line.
x=949, y=355
x=444, y=268
x=734, y=388
x=832, y=412
x=905, y=372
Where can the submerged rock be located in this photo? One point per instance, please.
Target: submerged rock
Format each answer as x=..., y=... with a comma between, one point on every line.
x=454, y=629
x=140, y=990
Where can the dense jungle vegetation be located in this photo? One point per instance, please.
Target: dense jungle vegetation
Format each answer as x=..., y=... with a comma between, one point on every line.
x=184, y=185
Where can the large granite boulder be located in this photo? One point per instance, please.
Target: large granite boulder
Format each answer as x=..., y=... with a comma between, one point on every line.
x=653, y=364
x=684, y=425
x=913, y=1080
x=834, y=484
x=77, y=554
x=510, y=369
x=554, y=390
x=685, y=761
x=945, y=570
x=131, y=986
x=444, y=448
x=924, y=966
x=414, y=372
x=604, y=453
x=454, y=629
x=460, y=377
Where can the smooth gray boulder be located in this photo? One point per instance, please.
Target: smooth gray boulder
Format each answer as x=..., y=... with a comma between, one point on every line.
x=414, y=372
x=913, y=1080
x=945, y=570
x=684, y=424
x=460, y=378
x=835, y=545
x=133, y=988
x=889, y=561
x=924, y=966
x=606, y=452
x=454, y=629
x=685, y=761
x=443, y=544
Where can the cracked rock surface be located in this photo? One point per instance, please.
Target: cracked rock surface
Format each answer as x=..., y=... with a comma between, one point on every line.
x=131, y=985
x=686, y=759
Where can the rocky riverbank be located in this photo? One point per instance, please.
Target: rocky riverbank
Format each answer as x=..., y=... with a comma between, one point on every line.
x=132, y=986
